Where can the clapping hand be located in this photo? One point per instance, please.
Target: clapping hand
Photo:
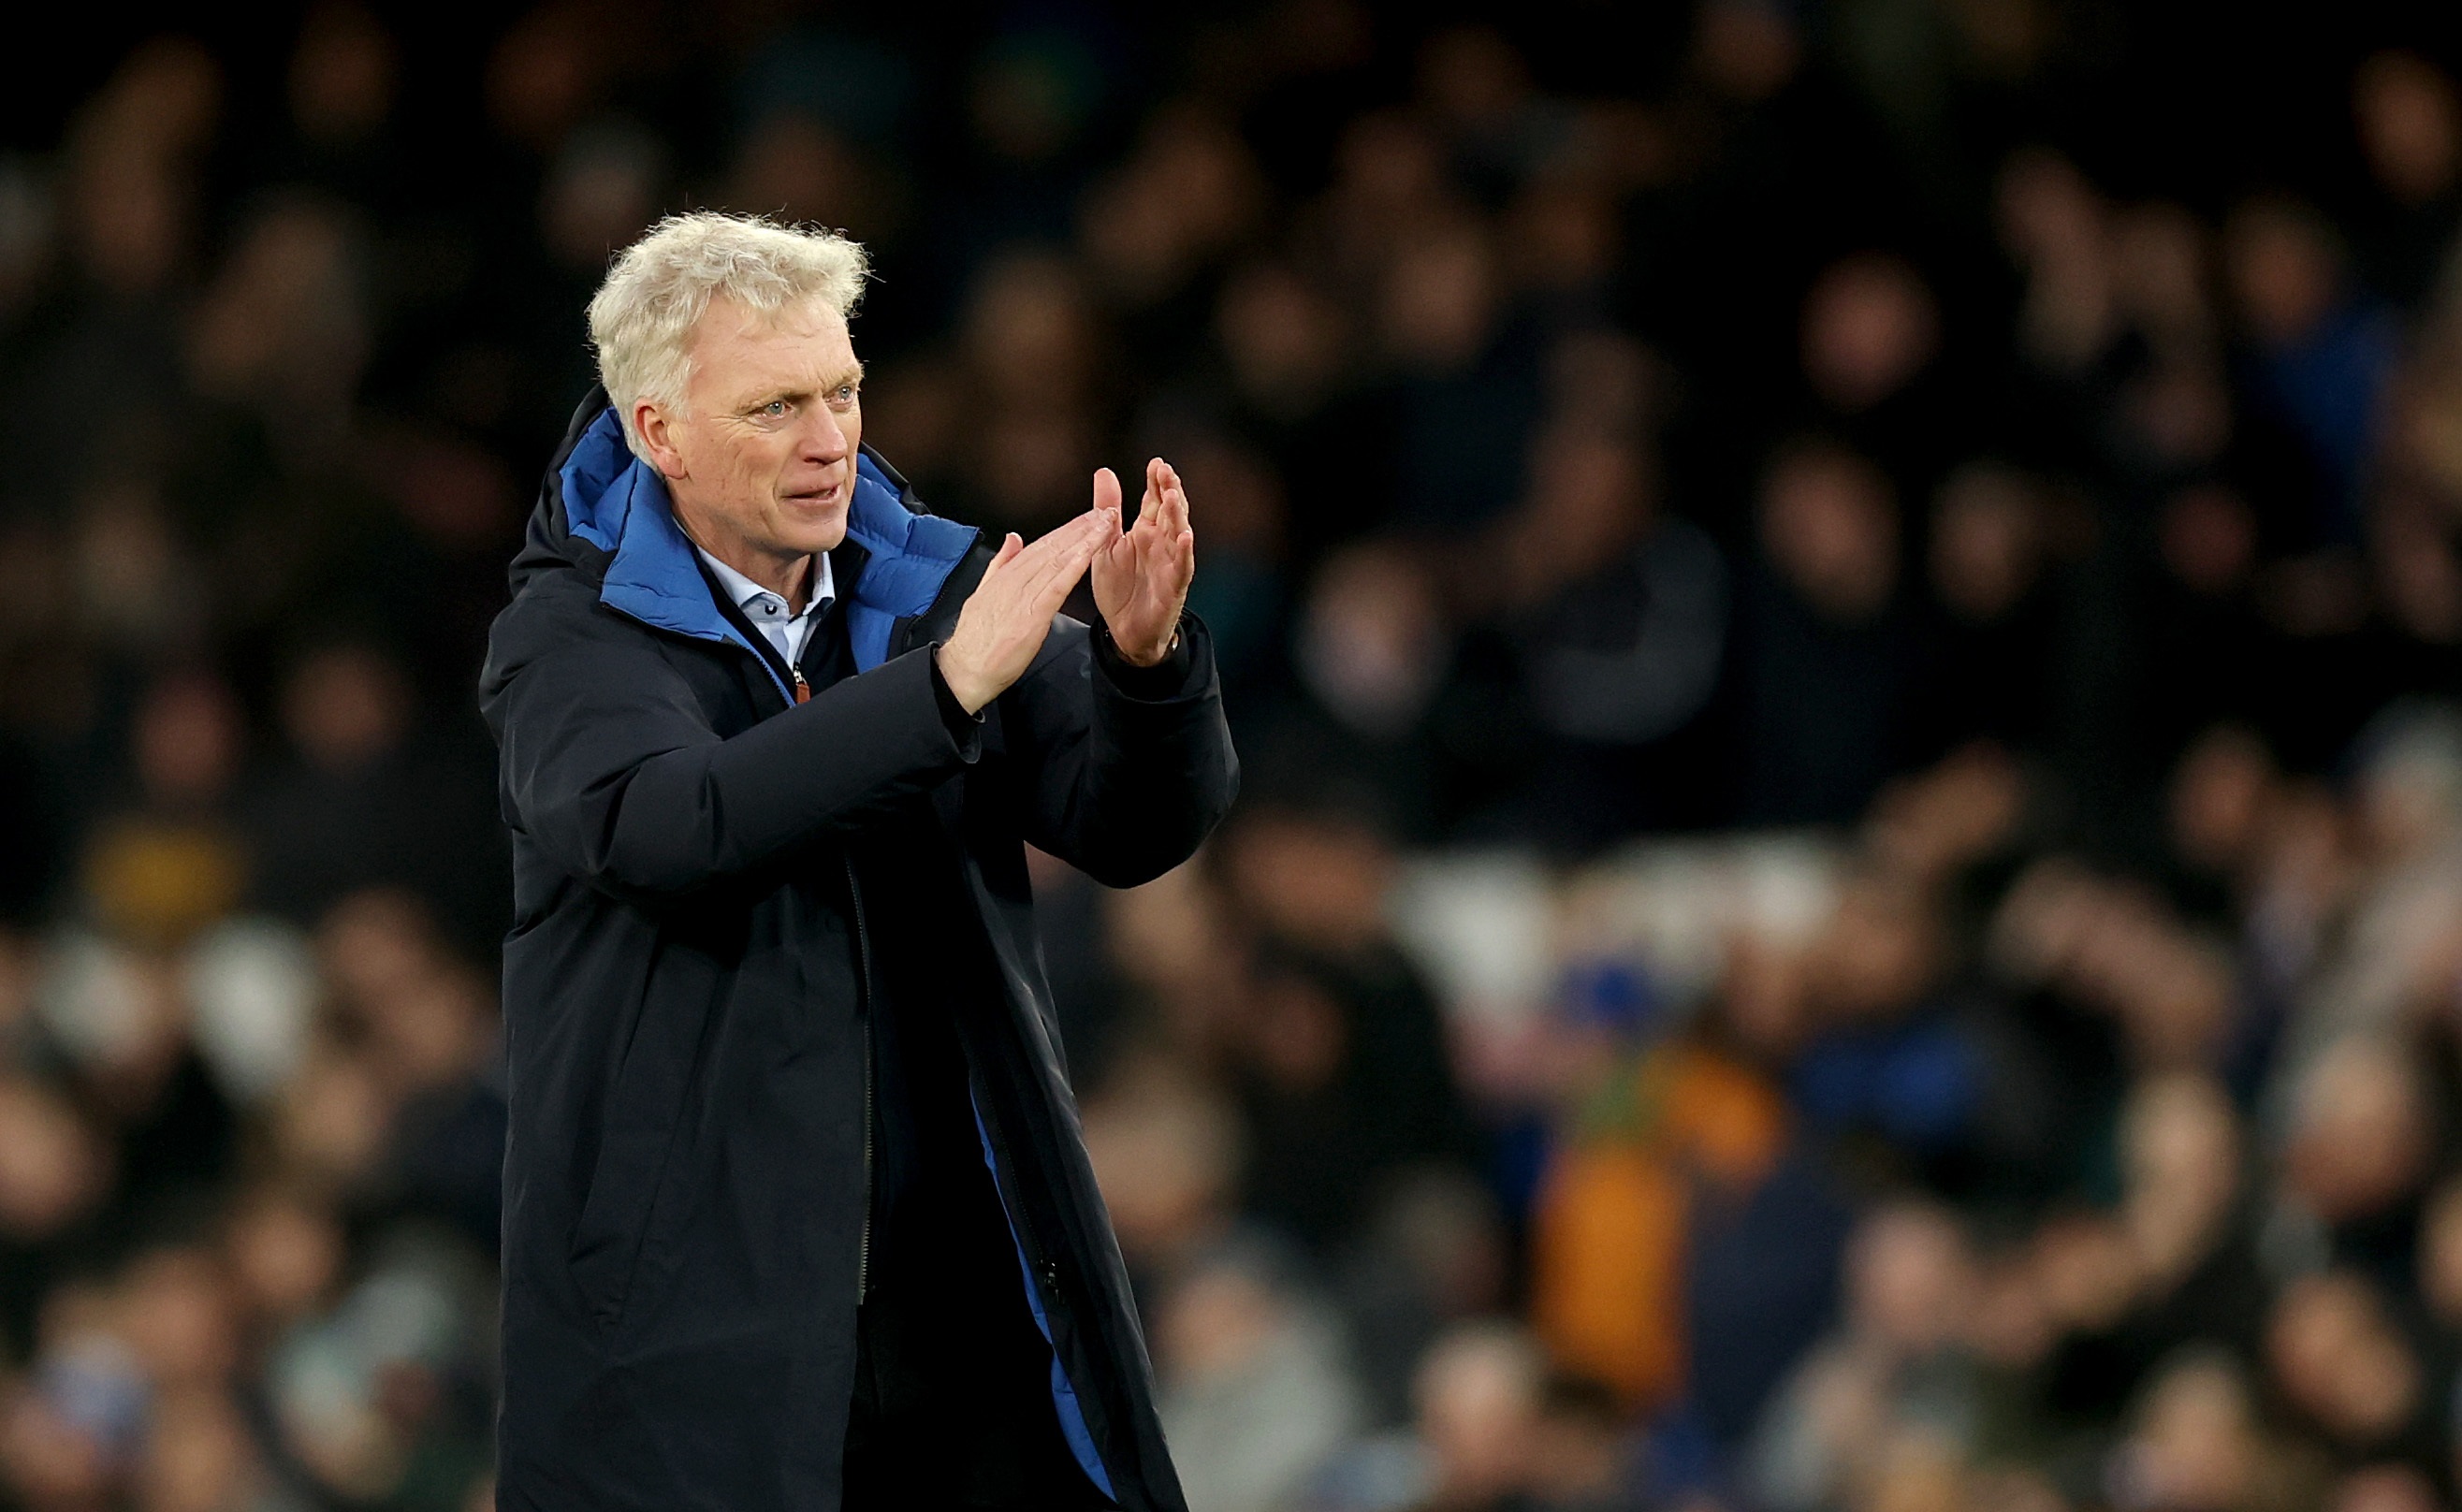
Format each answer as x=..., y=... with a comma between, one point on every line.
x=1142, y=573
x=1008, y=613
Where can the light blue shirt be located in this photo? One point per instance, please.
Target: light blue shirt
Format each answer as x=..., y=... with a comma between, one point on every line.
x=767, y=611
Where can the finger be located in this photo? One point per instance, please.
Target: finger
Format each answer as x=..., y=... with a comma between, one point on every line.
x=1060, y=540
x=1053, y=590
x=1074, y=545
x=1107, y=490
x=1170, y=542
x=1058, y=537
x=1011, y=547
x=1171, y=507
x=1064, y=538
x=1088, y=535
x=1037, y=552
x=1146, y=503
x=1156, y=524
x=1059, y=566
x=1096, y=529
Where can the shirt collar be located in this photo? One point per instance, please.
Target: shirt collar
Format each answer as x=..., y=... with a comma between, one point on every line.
x=745, y=592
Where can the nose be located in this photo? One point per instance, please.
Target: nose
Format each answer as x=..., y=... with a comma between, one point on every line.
x=824, y=440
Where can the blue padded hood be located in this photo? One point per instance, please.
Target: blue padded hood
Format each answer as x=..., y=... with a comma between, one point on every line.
x=618, y=503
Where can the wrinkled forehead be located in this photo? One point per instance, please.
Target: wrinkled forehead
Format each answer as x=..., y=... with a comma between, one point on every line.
x=735, y=346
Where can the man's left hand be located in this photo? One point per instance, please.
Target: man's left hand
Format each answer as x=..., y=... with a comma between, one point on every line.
x=1141, y=575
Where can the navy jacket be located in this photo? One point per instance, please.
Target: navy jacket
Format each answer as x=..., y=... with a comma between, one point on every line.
x=703, y=885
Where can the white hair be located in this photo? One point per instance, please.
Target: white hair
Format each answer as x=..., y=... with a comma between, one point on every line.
x=641, y=319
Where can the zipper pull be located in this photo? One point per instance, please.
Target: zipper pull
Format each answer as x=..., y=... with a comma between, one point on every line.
x=803, y=689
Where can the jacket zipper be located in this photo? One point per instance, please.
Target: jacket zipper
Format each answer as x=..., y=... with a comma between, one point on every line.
x=1044, y=1273
x=863, y=966
x=803, y=694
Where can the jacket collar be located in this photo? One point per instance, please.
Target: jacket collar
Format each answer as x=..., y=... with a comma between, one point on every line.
x=618, y=503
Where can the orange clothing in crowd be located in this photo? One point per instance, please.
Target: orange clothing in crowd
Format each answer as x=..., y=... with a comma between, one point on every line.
x=1608, y=1234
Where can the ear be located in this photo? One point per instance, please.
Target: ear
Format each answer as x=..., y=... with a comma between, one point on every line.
x=650, y=423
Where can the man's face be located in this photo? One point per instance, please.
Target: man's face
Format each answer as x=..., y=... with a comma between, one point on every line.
x=760, y=459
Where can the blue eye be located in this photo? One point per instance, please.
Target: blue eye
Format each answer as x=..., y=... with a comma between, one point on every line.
x=776, y=406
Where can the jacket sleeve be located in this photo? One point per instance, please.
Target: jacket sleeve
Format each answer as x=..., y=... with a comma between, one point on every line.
x=612, y=768
x=1123, y=777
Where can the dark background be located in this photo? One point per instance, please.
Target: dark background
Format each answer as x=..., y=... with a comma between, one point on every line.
x=1841, y=620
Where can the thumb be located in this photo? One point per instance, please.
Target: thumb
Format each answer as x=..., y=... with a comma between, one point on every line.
x=1009, y=548
x=1106, y=490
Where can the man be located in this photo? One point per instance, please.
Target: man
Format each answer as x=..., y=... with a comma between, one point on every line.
x=797, y=1212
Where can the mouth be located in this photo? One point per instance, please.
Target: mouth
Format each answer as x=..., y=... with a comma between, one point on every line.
x=819, y=498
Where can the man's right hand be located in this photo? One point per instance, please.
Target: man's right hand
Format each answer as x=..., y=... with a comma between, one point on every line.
x=1008, y=613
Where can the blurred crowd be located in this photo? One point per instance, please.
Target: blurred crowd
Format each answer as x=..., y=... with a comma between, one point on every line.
x=1842, y=623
